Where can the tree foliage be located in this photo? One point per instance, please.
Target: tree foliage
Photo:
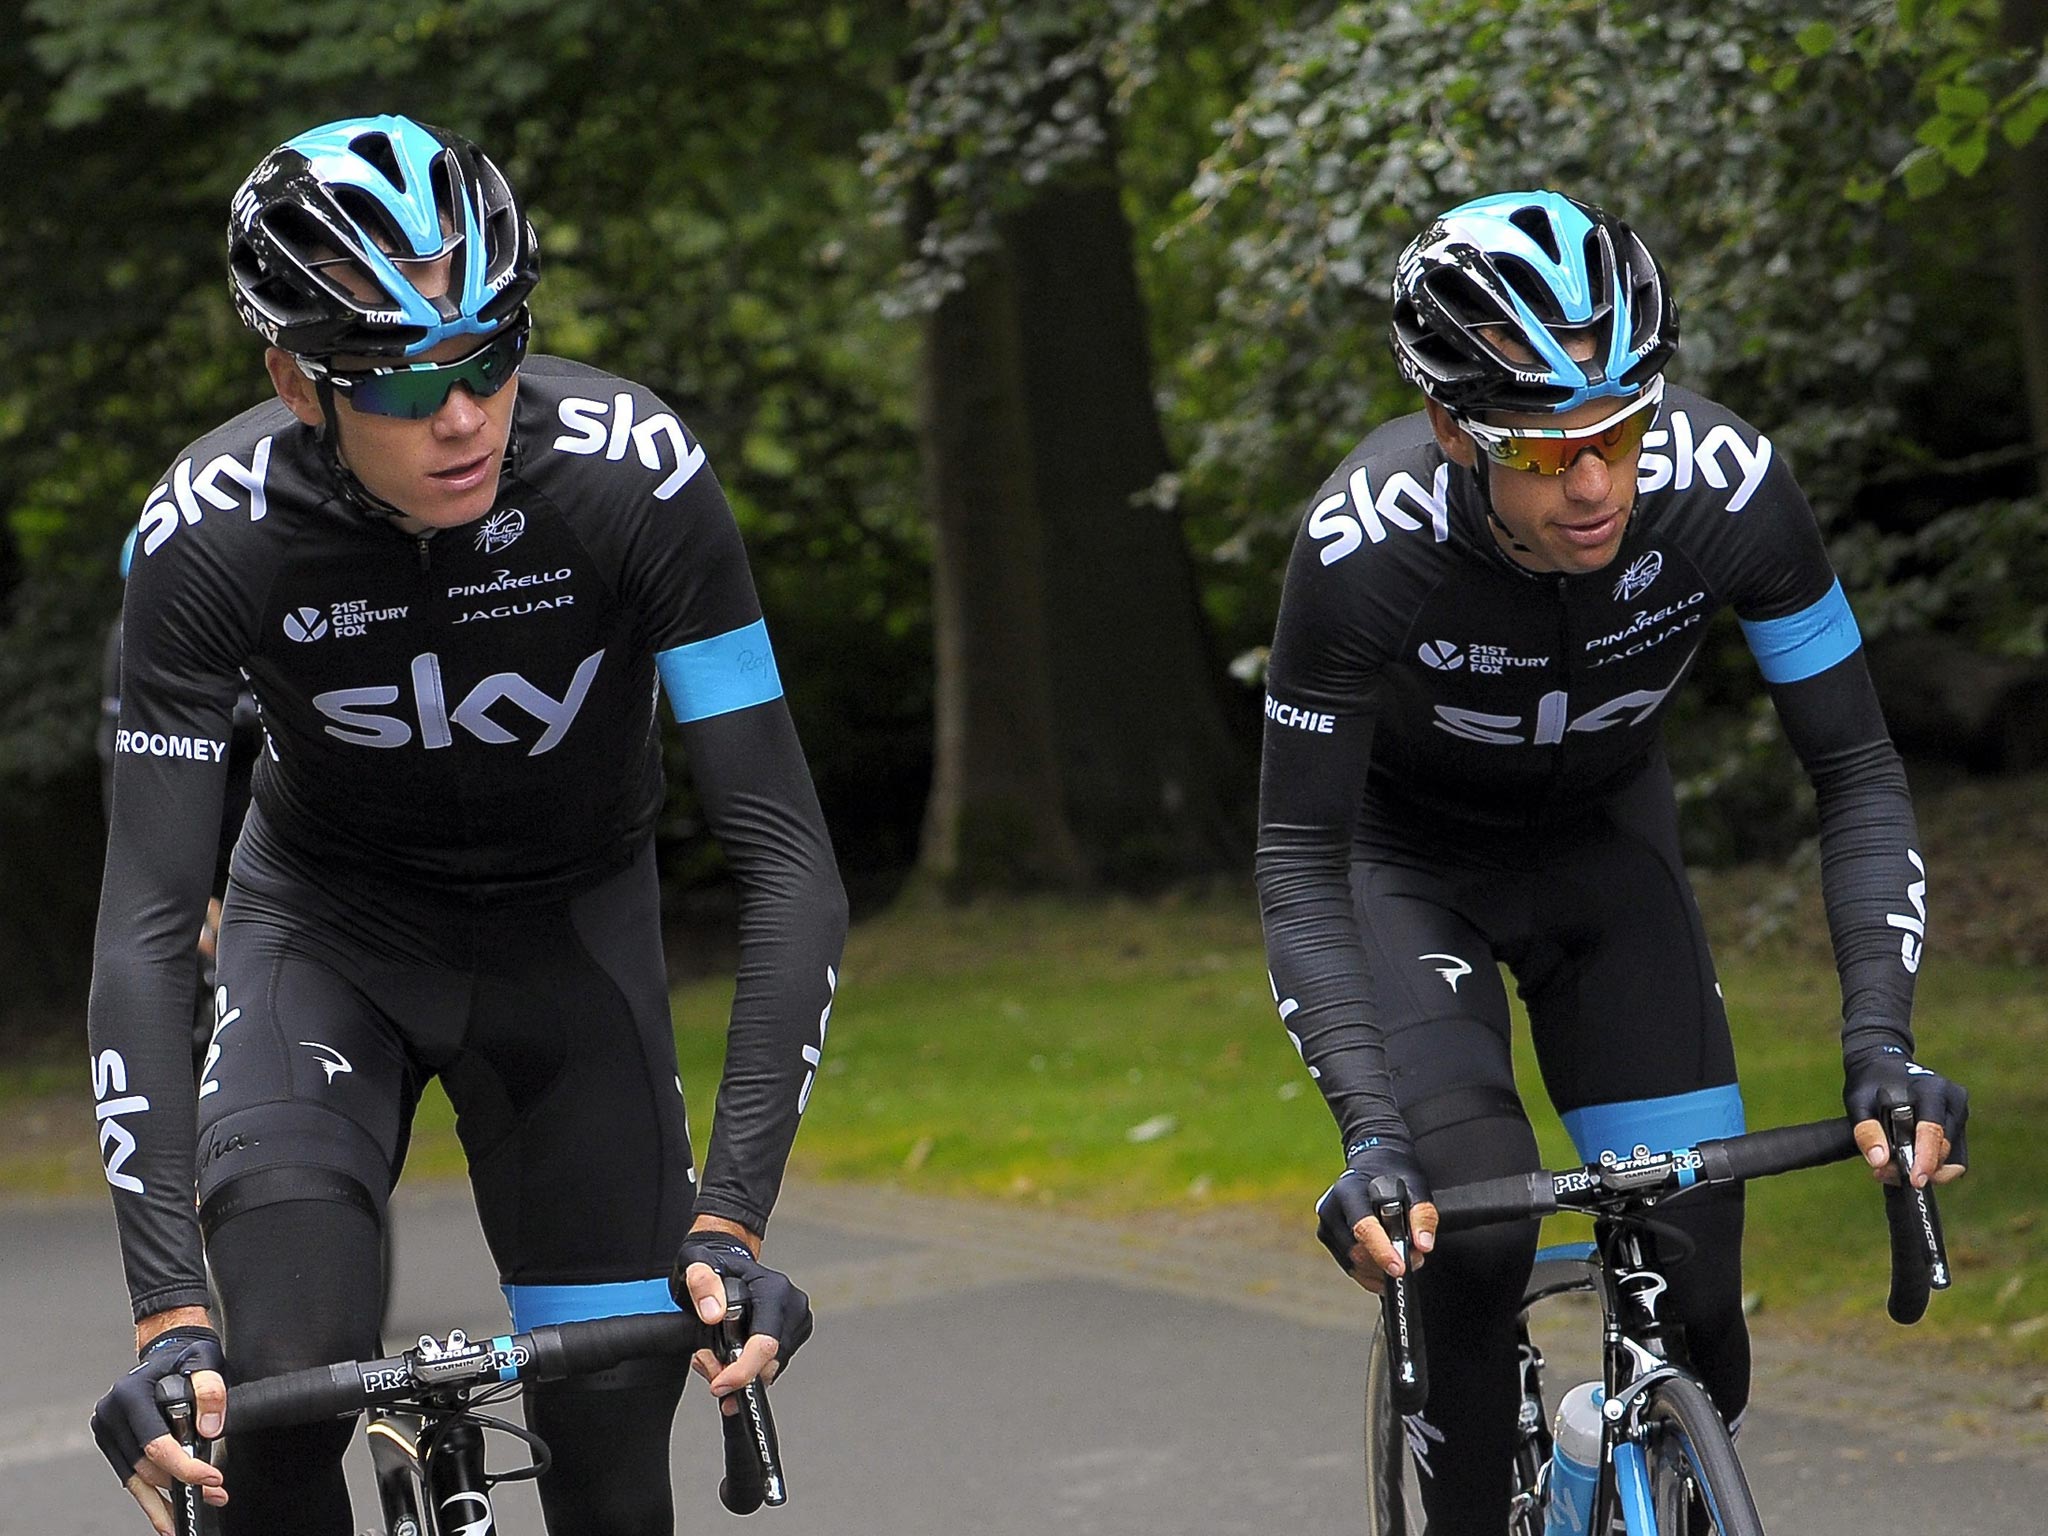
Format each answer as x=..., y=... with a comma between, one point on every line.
x=721, y=187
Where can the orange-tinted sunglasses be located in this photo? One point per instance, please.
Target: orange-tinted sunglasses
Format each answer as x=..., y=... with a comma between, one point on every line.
x=1551, y=451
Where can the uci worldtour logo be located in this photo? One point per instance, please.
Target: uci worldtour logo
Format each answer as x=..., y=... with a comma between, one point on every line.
x=501, y=530
x=1637, y=579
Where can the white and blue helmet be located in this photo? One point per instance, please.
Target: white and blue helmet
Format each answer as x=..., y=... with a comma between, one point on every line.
x=1529, y=266
x=362, y=198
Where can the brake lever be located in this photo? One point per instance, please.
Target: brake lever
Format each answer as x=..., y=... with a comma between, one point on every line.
x=1901, y=1127
x=1407, y=1355
x=753, y=1454
x=188, y=1505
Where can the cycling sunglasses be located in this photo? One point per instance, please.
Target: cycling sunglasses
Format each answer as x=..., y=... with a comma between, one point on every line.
x=414, y=391
x=1551, y=451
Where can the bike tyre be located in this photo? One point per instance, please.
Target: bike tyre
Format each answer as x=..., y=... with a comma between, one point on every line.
x=1393, y=1489
x=1694, y=1470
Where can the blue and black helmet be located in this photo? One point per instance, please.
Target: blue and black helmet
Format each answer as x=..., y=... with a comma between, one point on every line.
x=321, y=236
x=1529, y=267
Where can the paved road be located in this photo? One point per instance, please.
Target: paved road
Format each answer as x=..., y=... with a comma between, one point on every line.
x=1008, y=1373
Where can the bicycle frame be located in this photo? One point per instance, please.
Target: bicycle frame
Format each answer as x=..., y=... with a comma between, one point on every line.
x=1622, y=1269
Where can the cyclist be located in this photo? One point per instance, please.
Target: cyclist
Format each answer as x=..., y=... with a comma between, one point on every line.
x=1487, y=606
x=458, y=578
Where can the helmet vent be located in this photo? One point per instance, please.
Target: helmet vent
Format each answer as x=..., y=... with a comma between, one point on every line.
x=373, y=219
x=1534, y=223
x=1531, y=288
x=376, y=148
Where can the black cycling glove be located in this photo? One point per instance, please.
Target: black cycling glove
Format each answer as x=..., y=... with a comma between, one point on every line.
x=1873, y=1064
x=1348, y=1201
x=128, y=1418
x=776, y=1307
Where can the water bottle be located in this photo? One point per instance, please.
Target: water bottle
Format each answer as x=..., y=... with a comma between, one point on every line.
x=1574, y=1462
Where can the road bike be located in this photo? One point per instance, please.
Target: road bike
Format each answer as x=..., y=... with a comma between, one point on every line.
x=426, y=1436
x=1661, y=1462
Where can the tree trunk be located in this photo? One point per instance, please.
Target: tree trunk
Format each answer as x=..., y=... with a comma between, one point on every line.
x=1157, y=783
x=995, y=818
x=2026, y=23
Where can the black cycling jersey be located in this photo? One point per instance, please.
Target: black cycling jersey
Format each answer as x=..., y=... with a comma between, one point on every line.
x=1415, y=662
x=468, y=715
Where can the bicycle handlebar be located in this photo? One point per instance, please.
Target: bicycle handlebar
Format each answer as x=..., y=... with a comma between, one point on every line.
x=753, y=1457
x=1615, y=1185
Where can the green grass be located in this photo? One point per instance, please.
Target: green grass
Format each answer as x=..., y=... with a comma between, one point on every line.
x=1012, y=1051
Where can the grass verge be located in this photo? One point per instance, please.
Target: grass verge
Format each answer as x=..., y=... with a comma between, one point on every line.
x=1120, y=1058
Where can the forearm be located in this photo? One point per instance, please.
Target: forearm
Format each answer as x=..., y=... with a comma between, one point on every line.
x=1873, y=879
x=1317, y=965
x=758, y=799
x=1874, y=882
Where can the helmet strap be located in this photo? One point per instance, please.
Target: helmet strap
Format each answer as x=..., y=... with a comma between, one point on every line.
x=353, y=491
x=1486, y=501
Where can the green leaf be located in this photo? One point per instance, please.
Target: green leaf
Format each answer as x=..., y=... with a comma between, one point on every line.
x=1923, y=173
x=1966, y=157
x=1815, y=39
x=1939, y=132
x=1965, y=101
x=2025, y=120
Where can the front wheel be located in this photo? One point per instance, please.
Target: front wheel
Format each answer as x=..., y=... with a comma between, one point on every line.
x=1696, y=1482
x=1393, y=1490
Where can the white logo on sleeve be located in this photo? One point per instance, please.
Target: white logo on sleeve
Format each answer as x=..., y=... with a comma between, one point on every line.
x=1913, y=929
x=1441, y=655
x=181, y=495
x=328, y=1057
x=1670, y=457
x=590, y=433
x=1454, y=972
x=815, y=1054
x=1370, y=515
x=117, y=1142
